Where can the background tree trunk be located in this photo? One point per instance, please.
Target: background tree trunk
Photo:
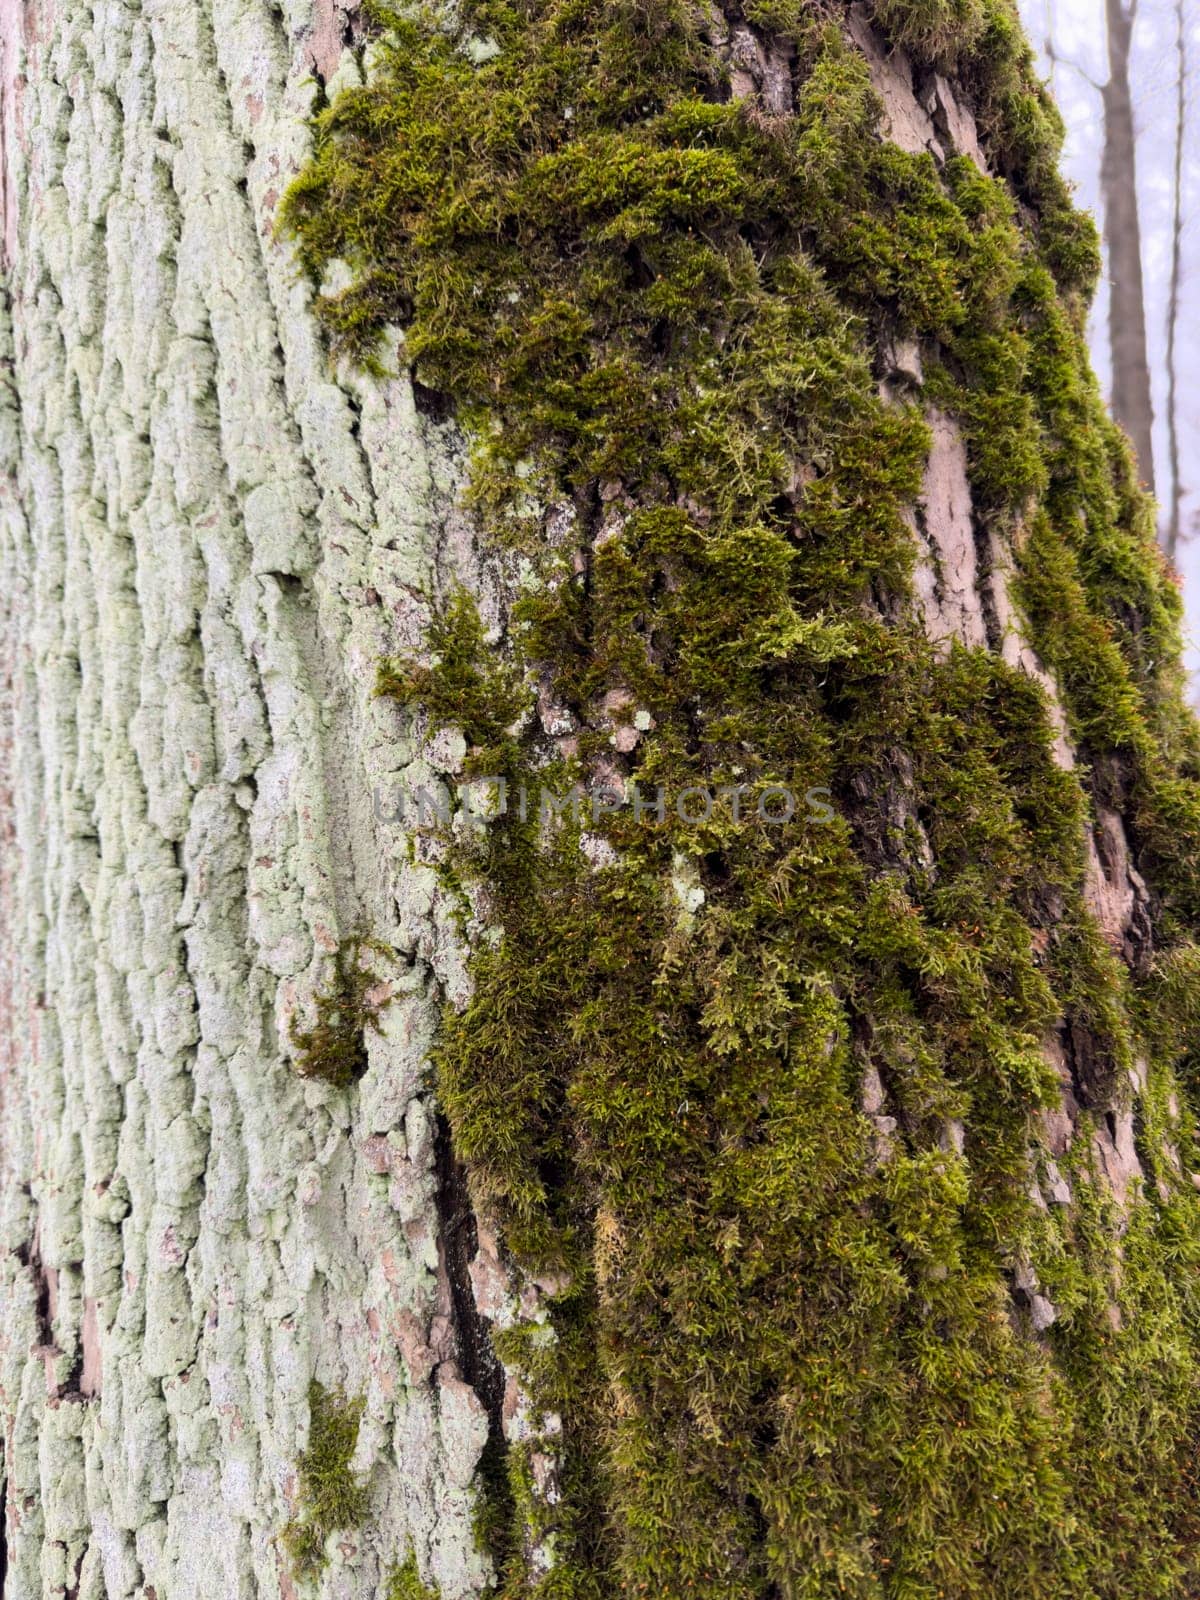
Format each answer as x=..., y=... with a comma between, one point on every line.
x=1173, y=524
x=1131, y=402
x=209, y=540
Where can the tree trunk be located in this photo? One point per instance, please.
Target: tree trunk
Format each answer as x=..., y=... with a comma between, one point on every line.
x=202, y=534
x=780, y=1187
x=1131, y=401
x=1173, y=526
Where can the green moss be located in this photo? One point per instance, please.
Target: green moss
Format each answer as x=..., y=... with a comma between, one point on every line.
x=329, y=1497
x=941, y=30
x=463, y=684
x=791, y=1360
x=405, y=1584
x=334, y=1048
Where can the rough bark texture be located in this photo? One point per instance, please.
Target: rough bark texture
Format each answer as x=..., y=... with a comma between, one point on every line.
x=205, y=543
x=208, y=543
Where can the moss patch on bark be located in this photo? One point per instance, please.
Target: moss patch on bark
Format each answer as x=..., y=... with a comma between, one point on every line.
x=334, y=1049
x=329, y=1495
x=793, y=1358
x=404, y=1583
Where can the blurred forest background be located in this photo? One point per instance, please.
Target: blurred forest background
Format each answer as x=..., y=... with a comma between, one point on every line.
x=1126, y=74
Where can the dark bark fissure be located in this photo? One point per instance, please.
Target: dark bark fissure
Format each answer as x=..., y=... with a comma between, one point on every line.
x=30, y=1257
x=3, y=1528
x=1093, y=1074
x=478, y=1361
x=432, y=403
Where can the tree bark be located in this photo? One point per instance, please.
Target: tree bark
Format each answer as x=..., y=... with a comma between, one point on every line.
x=1173, y=531
x=210, y=538
x=201, y=530
x=1131, y=398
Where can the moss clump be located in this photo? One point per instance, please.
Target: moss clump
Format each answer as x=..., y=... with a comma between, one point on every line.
x=405, y=1584
x=329, y=1496
x=793, y=1359
x=464, y=683
x=334, y=1048
x=941, y=30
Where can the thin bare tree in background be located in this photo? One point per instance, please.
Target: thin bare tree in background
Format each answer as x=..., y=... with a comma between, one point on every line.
x=1131, y=401
x=1172, y=530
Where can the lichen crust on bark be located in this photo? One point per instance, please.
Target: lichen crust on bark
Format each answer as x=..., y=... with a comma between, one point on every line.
x=208, y=537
